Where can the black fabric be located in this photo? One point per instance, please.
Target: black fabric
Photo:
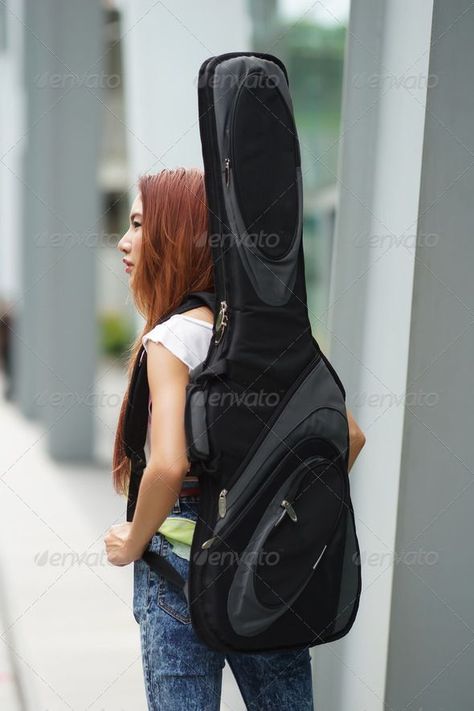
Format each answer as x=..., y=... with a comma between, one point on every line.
x=254, y=189
x=163, y=567
x=261, y=117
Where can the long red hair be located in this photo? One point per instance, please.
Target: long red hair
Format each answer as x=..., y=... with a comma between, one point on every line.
x=175, y=259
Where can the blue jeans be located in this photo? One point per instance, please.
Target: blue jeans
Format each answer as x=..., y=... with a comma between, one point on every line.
x=181, y=672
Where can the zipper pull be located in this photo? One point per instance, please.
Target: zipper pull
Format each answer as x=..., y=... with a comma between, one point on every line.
x=222, y=503
x=208, y=543
x=289, y=510
x=227, y=171
x=222, y=320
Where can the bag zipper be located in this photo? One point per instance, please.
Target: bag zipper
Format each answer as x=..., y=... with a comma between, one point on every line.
x=291, y=512
x=297, y=475
x=221, y=321
x=288, y=507
x=212, y=134
x=222, y=503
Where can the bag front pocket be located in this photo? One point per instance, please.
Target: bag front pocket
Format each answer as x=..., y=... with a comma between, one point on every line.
x=287, y=544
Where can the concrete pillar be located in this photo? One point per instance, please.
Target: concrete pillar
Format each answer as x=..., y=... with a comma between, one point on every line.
x=57, y=344
x=431, y=650
x=370, y=315
x=11, y=131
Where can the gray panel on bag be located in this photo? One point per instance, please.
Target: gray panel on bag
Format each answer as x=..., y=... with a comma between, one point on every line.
x=318, y=391
x=200, y=439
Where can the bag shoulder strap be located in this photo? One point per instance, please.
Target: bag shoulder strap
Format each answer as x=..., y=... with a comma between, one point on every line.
x=136, y=415
x=135, y=431
x=195, y=299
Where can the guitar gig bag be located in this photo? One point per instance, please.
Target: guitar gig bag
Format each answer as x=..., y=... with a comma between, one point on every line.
x=275, y=560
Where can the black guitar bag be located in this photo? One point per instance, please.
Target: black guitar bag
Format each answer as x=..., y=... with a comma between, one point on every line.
x=275, y=561
x=275, y=556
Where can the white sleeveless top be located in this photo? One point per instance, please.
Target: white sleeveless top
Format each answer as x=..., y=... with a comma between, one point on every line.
x=186, y=337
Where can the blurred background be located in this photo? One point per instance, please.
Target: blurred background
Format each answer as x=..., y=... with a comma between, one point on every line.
x=95, y=94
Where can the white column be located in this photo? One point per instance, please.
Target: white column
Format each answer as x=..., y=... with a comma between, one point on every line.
x=57, y=343
x=11, y=131
x=163, y=50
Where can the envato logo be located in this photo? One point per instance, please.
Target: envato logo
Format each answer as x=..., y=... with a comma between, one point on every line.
x=250, y=240
x=57, y=559
x=90, y=399
x=227, y=80
x=259, y=240
x=68, y=80
x=386, y=400
x=228, y=558
x=413, y=557
x=392, y=81
x=423, y=239
x=249, y=398
x=69, y=239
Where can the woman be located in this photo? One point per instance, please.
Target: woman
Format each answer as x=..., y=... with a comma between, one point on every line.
x=167, y=256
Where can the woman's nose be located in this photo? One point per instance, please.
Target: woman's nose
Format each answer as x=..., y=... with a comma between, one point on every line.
x=123, y=245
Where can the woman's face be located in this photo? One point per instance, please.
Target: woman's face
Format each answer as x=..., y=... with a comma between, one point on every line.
x=131, y=242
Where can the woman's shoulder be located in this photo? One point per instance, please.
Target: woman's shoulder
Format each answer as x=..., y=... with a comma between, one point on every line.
x=200, y=313
x=186, y=335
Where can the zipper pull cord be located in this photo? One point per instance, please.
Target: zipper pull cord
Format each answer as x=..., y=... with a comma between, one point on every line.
x=227, y=171
x=222, y=503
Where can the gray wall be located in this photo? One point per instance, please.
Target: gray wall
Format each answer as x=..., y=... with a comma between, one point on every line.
x=56, y=336
x=370, y=312
x=401, y=328
x=431, y=651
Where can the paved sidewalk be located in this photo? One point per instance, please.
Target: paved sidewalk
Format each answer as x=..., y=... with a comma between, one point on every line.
x=67, y=614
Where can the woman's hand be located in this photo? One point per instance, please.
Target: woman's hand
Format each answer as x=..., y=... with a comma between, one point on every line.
x=120, y=547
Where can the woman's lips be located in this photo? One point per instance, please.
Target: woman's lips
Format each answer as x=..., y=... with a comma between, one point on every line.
x=128, y=265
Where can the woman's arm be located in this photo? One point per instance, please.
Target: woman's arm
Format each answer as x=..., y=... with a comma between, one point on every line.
x=164, y=473
x=356, y=439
